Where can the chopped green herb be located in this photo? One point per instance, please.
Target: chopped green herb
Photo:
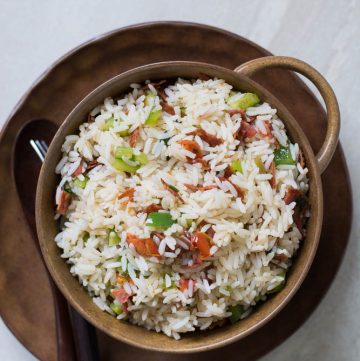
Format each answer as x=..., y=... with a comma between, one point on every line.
x=277, y=288
x=154, y=115
x=117, y=309
x=122, y=166
x=109, y=123
x=141, y=158
x=246, y=101
x=153, y=118
x=172, y=283
x=67, y=188
x=114, y=239
x=173, y=188
x=160, y=220
x=236, y=312
x=149, y=98
x=123, y=133
x=123, y=152
x=236, y=166
x=86, y=236
x=127, y=152
x=283, y=156
x=183, y=111
x=281, y=285
x=259, y=163
x=78, y=183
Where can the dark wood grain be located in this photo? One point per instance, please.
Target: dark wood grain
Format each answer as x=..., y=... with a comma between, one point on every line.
x=29, y=314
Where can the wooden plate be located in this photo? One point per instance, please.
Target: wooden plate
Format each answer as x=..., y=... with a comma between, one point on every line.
x=26, y=304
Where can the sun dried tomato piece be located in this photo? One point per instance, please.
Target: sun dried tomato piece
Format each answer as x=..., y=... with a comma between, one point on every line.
x=129, y=193
x=202, y=242
x=121, y=295
x=64, y=202
x=152, y=208
x=144, y=246
x=291, y=195
x=192, y=146
x=211, y=139
x=134, y=137
x=168, y=108
x=272, y=172
x=92, y=165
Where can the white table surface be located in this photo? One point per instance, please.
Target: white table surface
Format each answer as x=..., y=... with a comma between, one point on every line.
x=325, y=33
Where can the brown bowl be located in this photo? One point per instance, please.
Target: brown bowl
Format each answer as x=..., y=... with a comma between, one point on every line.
x=205, y=340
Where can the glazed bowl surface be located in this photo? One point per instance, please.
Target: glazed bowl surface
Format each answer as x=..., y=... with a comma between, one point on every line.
x=47, y=227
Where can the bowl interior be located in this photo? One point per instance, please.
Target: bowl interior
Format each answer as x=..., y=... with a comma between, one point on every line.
x=47, y=227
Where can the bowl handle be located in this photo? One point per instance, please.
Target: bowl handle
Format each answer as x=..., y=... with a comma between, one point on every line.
x=333, y=114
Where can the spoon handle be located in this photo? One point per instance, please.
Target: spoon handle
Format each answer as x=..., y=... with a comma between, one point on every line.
x=64, y=332
x=84, y=337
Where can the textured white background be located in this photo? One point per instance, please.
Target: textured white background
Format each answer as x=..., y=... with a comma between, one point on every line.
x=325, y=33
